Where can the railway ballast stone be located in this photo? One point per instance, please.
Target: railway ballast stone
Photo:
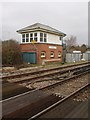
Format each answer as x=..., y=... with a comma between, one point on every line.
x=8, y=69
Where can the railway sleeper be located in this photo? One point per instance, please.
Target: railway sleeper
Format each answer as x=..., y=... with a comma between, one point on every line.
x=82, y=70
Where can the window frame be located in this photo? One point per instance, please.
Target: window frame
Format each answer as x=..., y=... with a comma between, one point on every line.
x=52, y=56
x=27, y=37
x=31, y=37
x=35, y=37
x=59, y=55
x=43, y=37
x=43, y=56
x=60, y=37
x=23, y=38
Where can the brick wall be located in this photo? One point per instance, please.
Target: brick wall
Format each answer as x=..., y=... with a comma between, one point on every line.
x=39, y=47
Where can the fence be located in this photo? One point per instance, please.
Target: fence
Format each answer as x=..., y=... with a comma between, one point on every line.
x=74, y=57
x=86, y=56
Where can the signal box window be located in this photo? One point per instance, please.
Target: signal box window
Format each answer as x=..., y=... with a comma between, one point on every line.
x=27, y=37
x=60, y=37
x=23, y=37
x=35, y=36
x=31, y=37
x=43, y=37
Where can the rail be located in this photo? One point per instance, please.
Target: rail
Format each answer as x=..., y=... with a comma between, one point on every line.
x=41, y=71
x=47, y=87
x=59, y=102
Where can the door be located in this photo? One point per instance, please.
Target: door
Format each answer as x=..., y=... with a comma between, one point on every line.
x=29, y=57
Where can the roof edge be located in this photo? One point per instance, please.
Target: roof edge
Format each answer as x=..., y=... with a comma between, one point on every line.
x=40, y=29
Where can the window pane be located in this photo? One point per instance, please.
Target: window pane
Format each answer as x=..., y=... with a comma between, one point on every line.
x=60, y=37
x=31, y=35
x=27, y=35
x=41, y=34
x=35, y=39
x=23, y=40
x=31, y=39
x=41, y=39
x=45, y=35
x=23, y=35
x=52, y=54
x=27, y=39
x=35, y=34
x=45, y=40
x=43, y=54
x=59, y=54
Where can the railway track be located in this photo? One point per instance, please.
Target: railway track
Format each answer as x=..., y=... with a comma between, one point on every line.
x=72, y=78
x=47, y=98
x=41, y=71
x=51, y=81
x=55, y=80
x=41, y=105
x=45, y=112
x=40, y=75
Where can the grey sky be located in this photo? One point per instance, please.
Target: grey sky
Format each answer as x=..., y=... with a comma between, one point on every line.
x=70, y=18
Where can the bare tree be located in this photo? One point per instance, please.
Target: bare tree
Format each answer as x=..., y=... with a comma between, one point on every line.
x=70, y=40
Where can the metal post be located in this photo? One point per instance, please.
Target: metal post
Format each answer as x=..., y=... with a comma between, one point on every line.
x=62, y=53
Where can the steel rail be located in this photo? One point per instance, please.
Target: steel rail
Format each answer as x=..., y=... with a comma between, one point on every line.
x=63, y=81
x=40, y=71
x=47, y=87
x=59, y=102
x=23, y=80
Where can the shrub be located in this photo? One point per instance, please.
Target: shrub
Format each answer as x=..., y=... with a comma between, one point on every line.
x=11, y=54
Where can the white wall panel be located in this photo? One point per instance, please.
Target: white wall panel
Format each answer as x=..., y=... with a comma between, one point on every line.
x=53, y=39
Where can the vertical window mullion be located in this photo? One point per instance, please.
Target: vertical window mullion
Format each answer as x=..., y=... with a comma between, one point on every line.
x=33, y=36
x=29, y=37
x=47, y=37
x=21, y=39
x=43, y=37
x=38, y=36
x=25, y=38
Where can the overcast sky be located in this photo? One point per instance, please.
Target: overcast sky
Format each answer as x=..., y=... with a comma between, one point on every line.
x=68, y=17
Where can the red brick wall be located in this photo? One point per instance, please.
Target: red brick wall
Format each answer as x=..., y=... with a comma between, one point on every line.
x=38, y=47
